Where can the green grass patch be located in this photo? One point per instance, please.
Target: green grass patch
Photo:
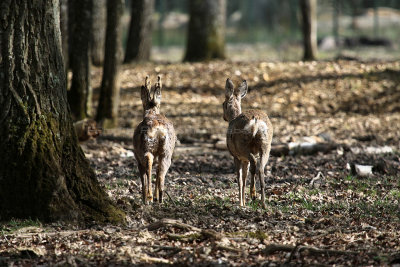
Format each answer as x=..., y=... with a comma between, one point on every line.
x=16, y=224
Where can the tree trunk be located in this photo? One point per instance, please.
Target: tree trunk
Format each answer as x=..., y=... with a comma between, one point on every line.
x=309, y=17
x=80, y=94
x=206, y=31
x=43, y=171
x=64, y=31
x=98, y=32
x=376, y=19
x=336, y=7
x=138, y=47
x=107, y=112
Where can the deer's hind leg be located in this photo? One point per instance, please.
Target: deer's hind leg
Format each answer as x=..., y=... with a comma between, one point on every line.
x=245, y=170
x=163, y=165
x=253, y=166
x=148, y=168
x=238, y=171
x=263, y=161
x=143, y=179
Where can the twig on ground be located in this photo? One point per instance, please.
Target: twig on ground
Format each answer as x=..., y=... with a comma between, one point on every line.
x=170, y=198
x=147, y=258
x=292, y=253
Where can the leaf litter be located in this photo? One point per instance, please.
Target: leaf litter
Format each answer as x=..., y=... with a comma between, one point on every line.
x=318, y=211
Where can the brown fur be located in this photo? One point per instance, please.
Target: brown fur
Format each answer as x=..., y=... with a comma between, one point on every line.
x=154, y=140
x=249, y=137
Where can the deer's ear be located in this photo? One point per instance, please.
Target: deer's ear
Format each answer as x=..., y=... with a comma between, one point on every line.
x=145, y=90
x=144, y=94
x=157, y=91
x=242, y=89
x=228, y=88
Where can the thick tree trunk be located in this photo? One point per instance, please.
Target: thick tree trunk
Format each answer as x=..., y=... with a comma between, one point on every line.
x=107, y=112
x=138, y=47
x=98, y=32
x=309, y=18
x=206, y=31
x=43, y=171
x=80, y=93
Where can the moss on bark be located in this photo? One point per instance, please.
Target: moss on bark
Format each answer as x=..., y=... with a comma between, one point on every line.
x=43, y=171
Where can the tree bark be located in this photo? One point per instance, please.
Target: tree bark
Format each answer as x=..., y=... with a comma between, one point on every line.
x=206, y=31
x=309, y=18
x=107, y=112
x=98, y=32
x=138, y=47
x=64, y=31
x=43, y=171
x=80, y=93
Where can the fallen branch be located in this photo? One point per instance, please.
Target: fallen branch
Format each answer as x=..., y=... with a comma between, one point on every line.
x=272, y=248
x=149, y=259
x=205, y=233
x=294, y=148
x=170, y=222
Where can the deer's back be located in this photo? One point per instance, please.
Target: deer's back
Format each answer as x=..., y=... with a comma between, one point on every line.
x=249, y=133
x=156, y=135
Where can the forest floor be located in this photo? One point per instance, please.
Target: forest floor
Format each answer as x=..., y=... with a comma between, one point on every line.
x=318, y=211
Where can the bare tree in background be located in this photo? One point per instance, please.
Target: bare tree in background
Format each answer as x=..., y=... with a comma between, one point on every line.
x=98, y=32
x=138, y=47
x=206, y=31
x=43, y=171
x=80, y=93
x=107, y=112
x=309, y=19
x=64, y=31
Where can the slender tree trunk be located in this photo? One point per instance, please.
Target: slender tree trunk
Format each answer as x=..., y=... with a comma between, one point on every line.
x=43, y=171
x=71, y=29
x=161, y=38
x=354, y=14
x=107, y=112
x=98, y=32
x=309, y=18
x=336, y=6
x=80, y=93
x=293, y=6
x=64, y=31
x=206, y=31
x=376, y=19
x=138, y=47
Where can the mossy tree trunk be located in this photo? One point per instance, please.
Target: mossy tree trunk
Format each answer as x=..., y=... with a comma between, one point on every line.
x=138, y=47
x=98, y=32
x=309, y=19
x=107, y=111
x=43, y=171
x=206, y=31
x=80, y=93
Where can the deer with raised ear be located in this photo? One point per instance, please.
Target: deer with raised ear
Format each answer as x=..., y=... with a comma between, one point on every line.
x=154, y=140
x=248, y=138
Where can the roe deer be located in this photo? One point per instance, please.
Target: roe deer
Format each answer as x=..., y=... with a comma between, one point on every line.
x=154, y=139
x=249, y=136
